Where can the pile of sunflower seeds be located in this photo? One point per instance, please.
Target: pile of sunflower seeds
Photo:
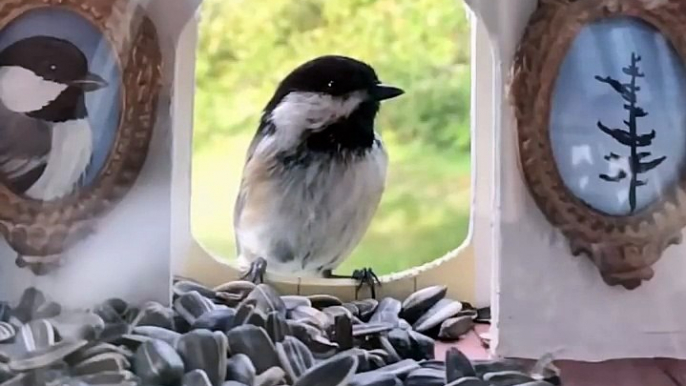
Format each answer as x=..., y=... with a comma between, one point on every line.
x=242, y=334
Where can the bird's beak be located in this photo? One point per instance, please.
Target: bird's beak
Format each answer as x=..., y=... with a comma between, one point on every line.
x=382, y=92
x=90, y=82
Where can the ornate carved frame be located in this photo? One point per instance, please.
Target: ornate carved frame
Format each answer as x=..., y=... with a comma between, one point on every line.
x=623, y=248
x=48, y=229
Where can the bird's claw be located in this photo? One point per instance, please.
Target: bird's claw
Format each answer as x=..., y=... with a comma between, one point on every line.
x=366, y=276
x=256, y=271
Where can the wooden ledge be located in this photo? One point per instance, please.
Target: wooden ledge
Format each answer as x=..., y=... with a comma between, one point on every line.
x=456, y=270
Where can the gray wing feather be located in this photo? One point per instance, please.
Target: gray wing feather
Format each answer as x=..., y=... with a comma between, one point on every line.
x=242, y=193
x=24, y=145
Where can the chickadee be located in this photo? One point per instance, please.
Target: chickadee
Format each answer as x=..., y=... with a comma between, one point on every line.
x=46, y=142
x=315, y=172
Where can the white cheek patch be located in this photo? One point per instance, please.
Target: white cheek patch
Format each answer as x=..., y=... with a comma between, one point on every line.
x=299, y=111
x=23, y=91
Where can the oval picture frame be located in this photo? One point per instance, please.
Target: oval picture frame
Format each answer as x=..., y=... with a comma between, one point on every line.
x=45, y=229
x=622, y=247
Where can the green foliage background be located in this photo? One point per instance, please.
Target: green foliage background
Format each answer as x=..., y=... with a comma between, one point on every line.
x=247, y=46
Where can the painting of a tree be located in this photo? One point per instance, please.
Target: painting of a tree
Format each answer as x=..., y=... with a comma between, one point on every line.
x=637, y=161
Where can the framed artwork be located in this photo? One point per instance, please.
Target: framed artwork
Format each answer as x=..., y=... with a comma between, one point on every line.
x=598, y=89
x=79, y=85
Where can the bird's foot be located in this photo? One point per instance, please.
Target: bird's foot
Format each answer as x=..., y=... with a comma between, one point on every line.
x=362, y=276
x=368, y=277
x=256, y=271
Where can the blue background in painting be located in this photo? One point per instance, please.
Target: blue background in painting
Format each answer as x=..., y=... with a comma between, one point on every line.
x=104, y=106
x=580, y=101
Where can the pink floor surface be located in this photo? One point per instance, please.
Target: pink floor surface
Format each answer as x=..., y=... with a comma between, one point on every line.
x=628, y=372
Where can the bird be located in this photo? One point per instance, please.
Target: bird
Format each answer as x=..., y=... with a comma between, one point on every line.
x=46, y=140
x=314, y=173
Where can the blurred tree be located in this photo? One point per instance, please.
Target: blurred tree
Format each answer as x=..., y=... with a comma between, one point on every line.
x=247, y=46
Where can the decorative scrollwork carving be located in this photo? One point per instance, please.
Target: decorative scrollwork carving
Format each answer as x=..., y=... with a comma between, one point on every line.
x=45, y=228
x=623, y=248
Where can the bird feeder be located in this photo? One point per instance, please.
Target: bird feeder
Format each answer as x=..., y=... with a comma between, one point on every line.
x=456, y=269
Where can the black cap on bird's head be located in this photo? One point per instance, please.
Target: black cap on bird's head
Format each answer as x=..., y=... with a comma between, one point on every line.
x=60, y=77
x=329, y=104
x=53, y=59
x=334, y=75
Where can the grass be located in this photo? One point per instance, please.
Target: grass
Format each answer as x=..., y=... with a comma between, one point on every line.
x=423, y=215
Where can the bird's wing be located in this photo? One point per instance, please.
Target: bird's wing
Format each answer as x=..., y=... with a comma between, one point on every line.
x=237, y=209
x=24, y=147
x=264, y=129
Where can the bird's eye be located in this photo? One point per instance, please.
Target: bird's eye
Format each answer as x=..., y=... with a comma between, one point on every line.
x=330, y=84
x=53, y=67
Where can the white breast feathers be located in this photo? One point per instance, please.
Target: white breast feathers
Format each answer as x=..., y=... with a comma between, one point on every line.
x=70, y=154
